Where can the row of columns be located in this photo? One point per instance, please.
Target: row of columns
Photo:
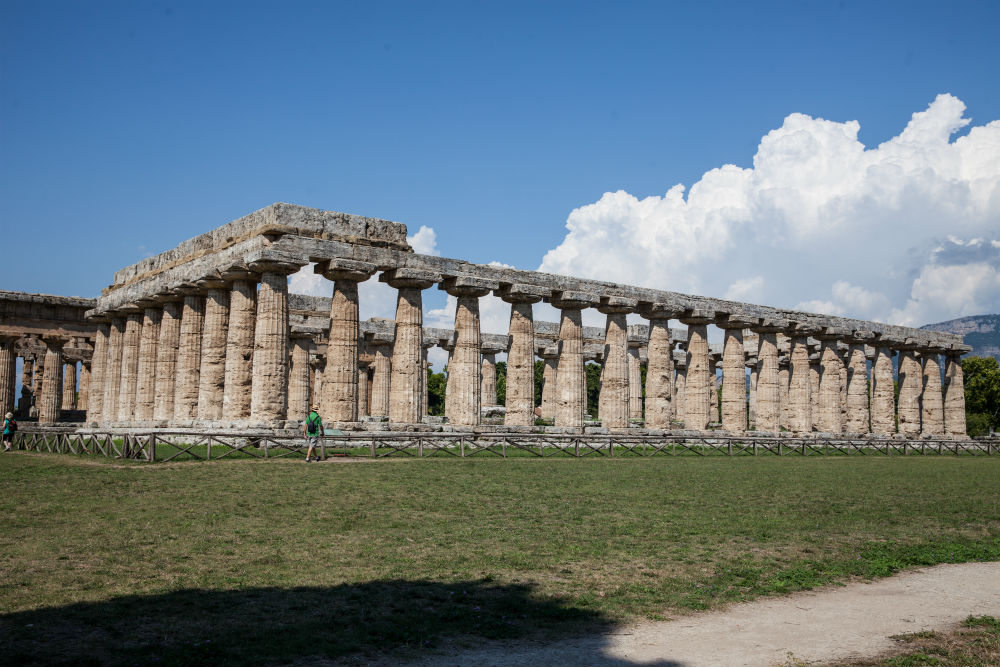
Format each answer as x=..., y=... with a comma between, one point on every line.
x=48, y=380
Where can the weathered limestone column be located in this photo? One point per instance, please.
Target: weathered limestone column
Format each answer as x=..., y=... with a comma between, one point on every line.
x=814, y=378
x=768, y=403
x=83, y=400
x=212, y=373
x=339, y=400
x=8, y=372
x=659, y=368
x=68, y=399
x=113, y=370
x=954, y=394
x=830, y=419
x=911, y=380
x=856, y=422
x=931, y=399
x=751, y=345
x=799, y=382
x=49, y=398
x=166, y=358
x=149, y=340
x=269, y=392
x=698, y=384
x=571, y=378
x=405, y=385
x=425, y=397
x=734, y=374
x=713, y=383
x=614, y=401
x=465, y=366
x=883, y=400
x=680, y=386
x=238, y=381
x=634, y=379
x=550, y=355
x=130, y=365
x=521, y=354
x=379, y=406
x=298, y=379
x=187, y=381
x=27, y=396
x=488, y=376
x=98, y=367
x=36, y=380
x=362, y=391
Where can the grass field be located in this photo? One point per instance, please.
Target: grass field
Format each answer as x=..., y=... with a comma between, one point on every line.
x=263, y=562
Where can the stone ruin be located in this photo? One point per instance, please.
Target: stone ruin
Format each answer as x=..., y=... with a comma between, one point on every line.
x=206, y=336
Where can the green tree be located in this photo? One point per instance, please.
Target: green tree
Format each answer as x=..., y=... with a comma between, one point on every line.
x=593, y=387
x=539, y=376
x=435, y=392
x=982, y=394
x=501, y=383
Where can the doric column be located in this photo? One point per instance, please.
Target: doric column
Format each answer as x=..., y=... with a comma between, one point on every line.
x=634, y=381
x=269, y=393
x=465, y=365
x=614, y=401
x=911, y=381
x=212, y=373
x=98, y=372
x=751, y=345
x=768, y=403
x=166, y=358
x=379, y=406
x=488, y=377
x=784, y=378
x=699, y=384
x=814, y=377
x=405, y=385
x=659, y=367
x=187, y=380
x=27, y=396
x=36, y=379
x=83, y=400
x=238, y=389
x=49, y=398
x=856, y=421
x=130, y=365
x=830, y=418
x=362, y=391
x=883, y=400
x=931, y=399
x=113, y=370
x=339, y=400
x=69, y=386
x=521, y=354
x=734, y=374
x=149, y=340
x=550, y=373
x=424, y=389
x=8, y=372
x=680, y=384
x=954, y=393
x=571, y=383
x=298, y=380
x=318, y=365
x=799, y=381
x=714, y=358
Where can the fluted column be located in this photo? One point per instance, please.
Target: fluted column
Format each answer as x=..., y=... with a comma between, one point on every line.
x=883, y=400
x=298, y=380
x=187, y=380
x=751, y=346
x=488, y=378
x=768, y=404
x=362, y=391
x=550, y=374
x=830, y=419
x=405, y=386
x=911, y=380
x=212, y=371
x=613, y=402
x=857, y=387
x=130, y=365
x=634, y=382
x=784, y=378
x=424, y=389
x=698, y=381
x=68, y=399
x=27, y=396
x=680, y=386
x=931, y=399
x=814, y=378
x=269, y=393
x=8, y=372
x=571, y=379
x=238, y=389
x=149, y=340
x=113, y=370
x=734, y=375
x=659, y=369
x=49, y=398
x=166, y=359
x=339, y=400
x=799, y=383
x=83, y=400
x=379, y=406
x=98, y=372
x=954, y=395
x=465, y=365
x=521, y=355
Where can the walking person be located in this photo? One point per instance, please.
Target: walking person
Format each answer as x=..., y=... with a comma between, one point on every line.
x=9, y=429
x=312, y=429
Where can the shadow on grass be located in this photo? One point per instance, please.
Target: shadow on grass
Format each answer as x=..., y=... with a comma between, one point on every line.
x=268, y=626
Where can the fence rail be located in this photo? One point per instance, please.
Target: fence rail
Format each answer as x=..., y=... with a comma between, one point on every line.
x=166, y=446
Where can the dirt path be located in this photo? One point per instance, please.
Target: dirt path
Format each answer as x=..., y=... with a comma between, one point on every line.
x=833, y=624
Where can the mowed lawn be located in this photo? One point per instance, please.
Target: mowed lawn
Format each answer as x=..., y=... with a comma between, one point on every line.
x=266, y=562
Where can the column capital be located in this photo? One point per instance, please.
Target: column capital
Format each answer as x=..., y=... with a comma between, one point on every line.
x=657, y=311
x=468, y=286
x=769, y=325
x=212, y=282
x=187, y=289
x=697, y=316
x=519, y=293
x=279, y=265
x=406, y=277
x=53, y=342
x=573, y=300
x=802, y=329
x=345, y=269
x=833, y=333
x=617, y=304
x=731, y=321
x=547, y=352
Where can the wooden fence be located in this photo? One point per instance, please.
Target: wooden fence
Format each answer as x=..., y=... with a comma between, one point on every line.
x=184, y=445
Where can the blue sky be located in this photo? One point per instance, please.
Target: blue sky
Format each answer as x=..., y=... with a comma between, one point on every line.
x=127, y=127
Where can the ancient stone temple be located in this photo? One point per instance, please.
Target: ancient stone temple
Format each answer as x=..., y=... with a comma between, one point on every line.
x=206, y=336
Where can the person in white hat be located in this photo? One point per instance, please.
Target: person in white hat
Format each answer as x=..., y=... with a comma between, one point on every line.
x=9, y=429
x=312, y=429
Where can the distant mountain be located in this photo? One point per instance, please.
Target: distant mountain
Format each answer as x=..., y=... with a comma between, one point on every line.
x=982, y=332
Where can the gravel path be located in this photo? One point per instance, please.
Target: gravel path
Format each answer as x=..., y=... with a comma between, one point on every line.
x=832, y=624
